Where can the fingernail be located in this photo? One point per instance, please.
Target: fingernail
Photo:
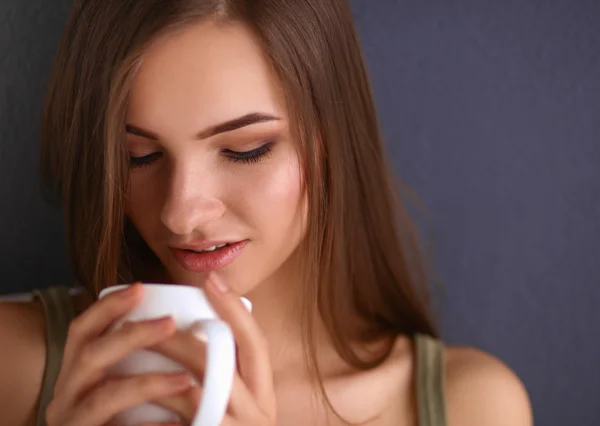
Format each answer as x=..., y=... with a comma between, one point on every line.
x=161, y=320
x=180, y=381
x=133, y=290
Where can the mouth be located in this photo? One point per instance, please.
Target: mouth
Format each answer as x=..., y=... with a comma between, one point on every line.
x=210, y=249
x=210, y=258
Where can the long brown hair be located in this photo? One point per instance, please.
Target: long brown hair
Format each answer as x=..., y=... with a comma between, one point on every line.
x=362, y=258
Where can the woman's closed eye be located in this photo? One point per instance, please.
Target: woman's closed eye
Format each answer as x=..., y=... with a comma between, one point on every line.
x=145, y=160
x=251, y=156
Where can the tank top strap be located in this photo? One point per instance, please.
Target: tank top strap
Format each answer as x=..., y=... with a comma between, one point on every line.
x=58, y=313
x=431, y=406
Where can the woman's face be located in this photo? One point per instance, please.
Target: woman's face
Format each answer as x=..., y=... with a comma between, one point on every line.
x=212, y=161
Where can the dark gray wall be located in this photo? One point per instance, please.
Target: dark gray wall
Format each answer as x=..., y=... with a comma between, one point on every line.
x=32, y=251
x=491, y=112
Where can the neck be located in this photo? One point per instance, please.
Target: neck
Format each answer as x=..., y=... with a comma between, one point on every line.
x=276, y=307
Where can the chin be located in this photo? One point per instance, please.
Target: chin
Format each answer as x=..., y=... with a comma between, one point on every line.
x=194, y=279
x=187, y=278
x=235, y=275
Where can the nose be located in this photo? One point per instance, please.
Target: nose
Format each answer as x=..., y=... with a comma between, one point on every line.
x=191, y=201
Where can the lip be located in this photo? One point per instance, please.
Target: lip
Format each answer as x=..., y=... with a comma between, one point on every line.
x=208, y=261
x=203, y=245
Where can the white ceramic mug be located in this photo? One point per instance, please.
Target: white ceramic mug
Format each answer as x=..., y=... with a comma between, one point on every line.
x=190, y=310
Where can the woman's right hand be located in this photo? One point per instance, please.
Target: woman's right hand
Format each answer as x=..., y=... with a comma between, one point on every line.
x=84, y=395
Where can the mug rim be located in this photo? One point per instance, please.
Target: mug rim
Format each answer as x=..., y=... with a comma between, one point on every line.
x=117, y=287
x=187, y=287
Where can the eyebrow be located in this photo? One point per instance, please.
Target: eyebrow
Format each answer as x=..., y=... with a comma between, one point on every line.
x=227, y=126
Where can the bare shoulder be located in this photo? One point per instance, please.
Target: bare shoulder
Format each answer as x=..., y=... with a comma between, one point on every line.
x=22, y=360
x=481, y=390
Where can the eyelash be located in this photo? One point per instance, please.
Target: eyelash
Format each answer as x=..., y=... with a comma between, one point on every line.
x=247, y=157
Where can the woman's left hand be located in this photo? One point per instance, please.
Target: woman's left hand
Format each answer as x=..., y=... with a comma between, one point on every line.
x=252, y=401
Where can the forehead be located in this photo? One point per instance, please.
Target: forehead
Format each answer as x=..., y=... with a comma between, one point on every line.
x=201, y=75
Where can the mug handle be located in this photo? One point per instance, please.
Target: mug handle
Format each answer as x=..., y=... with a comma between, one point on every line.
x=218, y=375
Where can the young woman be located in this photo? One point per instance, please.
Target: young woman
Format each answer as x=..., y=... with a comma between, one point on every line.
x=233, y=145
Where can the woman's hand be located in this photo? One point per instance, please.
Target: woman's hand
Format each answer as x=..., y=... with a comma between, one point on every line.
x=84, y=395
x=252, y=401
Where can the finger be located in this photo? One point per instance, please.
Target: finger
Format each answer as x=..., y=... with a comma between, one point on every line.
x=117, y=395
x=184, y=404
x=184, y=348
x=94, y=321
x=253, y=353
x=98, y=317
x=150, y=424
x=229, y=421
x=161, y=424
x=190, y=352
x=241, y=401
x=97, y=356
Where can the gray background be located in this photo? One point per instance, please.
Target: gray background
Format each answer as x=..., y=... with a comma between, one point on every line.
x=490, y=110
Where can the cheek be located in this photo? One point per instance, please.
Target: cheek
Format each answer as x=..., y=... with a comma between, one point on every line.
x=143, y=200
x=283, y=186
x=266, y=196
x=272, y=193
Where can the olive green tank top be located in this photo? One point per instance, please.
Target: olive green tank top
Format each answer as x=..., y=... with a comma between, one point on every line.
x=59, y=311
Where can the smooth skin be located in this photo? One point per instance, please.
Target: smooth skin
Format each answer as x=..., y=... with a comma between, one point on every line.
x=85, y=395
x=200, y=191
x=480, y=390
